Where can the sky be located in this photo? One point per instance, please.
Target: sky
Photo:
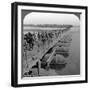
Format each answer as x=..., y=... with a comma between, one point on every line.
x=51, y=18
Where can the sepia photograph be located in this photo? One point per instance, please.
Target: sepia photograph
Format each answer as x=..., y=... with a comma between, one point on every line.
x=49, y=44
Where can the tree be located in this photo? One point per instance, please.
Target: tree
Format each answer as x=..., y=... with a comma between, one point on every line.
x=30, y=40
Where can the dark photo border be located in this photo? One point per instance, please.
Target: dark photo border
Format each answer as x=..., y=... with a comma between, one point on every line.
x=14, y=43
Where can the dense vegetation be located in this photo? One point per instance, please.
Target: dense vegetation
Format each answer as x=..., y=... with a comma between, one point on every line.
x=39, y=38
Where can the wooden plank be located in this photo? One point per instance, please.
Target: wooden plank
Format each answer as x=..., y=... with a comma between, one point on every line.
x=39, y=67
x=51, y=57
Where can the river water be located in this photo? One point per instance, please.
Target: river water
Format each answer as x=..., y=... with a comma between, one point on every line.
x=73, y=61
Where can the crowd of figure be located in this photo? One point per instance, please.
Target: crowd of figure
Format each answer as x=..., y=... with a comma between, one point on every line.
x=40, y=38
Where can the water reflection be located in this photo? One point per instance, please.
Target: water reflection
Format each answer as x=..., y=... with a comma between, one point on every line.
x=58, y=66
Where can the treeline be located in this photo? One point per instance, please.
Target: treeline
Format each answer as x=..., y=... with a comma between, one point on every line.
x=38, y=38
x=49, y=25
x=42, y=38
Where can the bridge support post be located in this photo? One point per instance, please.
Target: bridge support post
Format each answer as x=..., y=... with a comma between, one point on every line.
x=39, y=67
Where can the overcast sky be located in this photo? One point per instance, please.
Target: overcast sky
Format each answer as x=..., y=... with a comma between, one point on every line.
x=51, y=18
